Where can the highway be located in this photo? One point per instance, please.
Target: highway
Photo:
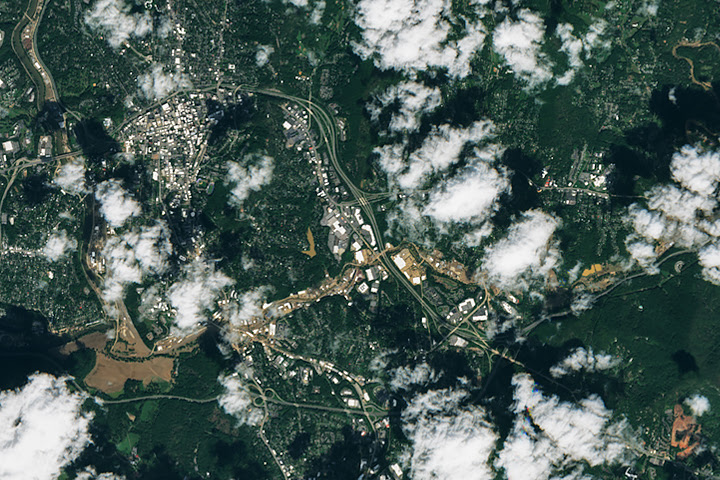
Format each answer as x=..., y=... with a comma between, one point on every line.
x=30, y=59
x=328, y=131
x=274, y=399
x=37, y=161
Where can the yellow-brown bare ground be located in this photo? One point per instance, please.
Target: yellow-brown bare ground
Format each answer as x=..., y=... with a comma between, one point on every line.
x=95, y=340
x=109, y=375
x=310, y=252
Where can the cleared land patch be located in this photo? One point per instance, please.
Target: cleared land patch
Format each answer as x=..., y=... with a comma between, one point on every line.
x=109, y=375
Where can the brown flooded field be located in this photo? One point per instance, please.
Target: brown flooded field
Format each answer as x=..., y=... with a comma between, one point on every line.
x=109, y=375
x=95, y=341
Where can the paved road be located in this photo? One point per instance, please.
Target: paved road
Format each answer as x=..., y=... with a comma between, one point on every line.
x=30, y=59
x=38, y=161
x=328, y=130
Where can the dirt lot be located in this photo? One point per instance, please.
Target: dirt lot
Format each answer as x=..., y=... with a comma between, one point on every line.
x=95, y=341
x=109, y=375
x=127, y=342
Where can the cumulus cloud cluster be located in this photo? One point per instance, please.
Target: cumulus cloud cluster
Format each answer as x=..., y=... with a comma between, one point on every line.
x=405, y=377
x=439, y=150
x=579, y=47
x=316, y=11
x=116, y=204
x=449, y=439
x=682, y=213
x=133, y=255
x=582, y=302
x=236, y=400
x=43, y=428
x=262, y=56
x=90, y=473
x=649, y=8
x=409, y=100
x=113, y=19
x=247, y=179
x=58, y=245
x=194, y=294
x=71, y=176
x=519, y=42
x=467, y=195
x=528, y=252
x=582, y=360
x=550, y=437
x=248, y=306
x=699, y=404
x=414, y=35
x=159, y=82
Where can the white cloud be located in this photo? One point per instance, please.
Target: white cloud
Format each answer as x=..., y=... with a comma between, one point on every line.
x=696, y=170
x=164, y=28
x=90, y=473
x=449, y=440
x=412, y=99
x=248, y=307
x=317, y=12
x=440, y=149
x=550, y=436
x=698, y=404
x=151, y=246
x=519, y=42
x=195, y=294
x=58, y=245
x=577, y=47
x=584, y=360
x=468, y=197
x=133, y=255
x=114, y=20
x=649, y=8
x=71, y=176
x=527, y=252
x=158, y=82
x=709, y=257
x=582, y=303
x=237, y=401
x=679, y=205
x=248, y=179
x=680, y=213
x=262, y=56
x=414, y=35
x=122, y=269
x=42, y=428
x=405, y=377
x=644, y=254
x=116, y=205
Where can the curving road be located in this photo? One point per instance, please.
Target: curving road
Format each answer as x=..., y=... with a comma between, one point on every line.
x=26, y=32
x=328, y=131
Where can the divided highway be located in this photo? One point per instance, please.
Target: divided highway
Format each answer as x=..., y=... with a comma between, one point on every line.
x=328, y=130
